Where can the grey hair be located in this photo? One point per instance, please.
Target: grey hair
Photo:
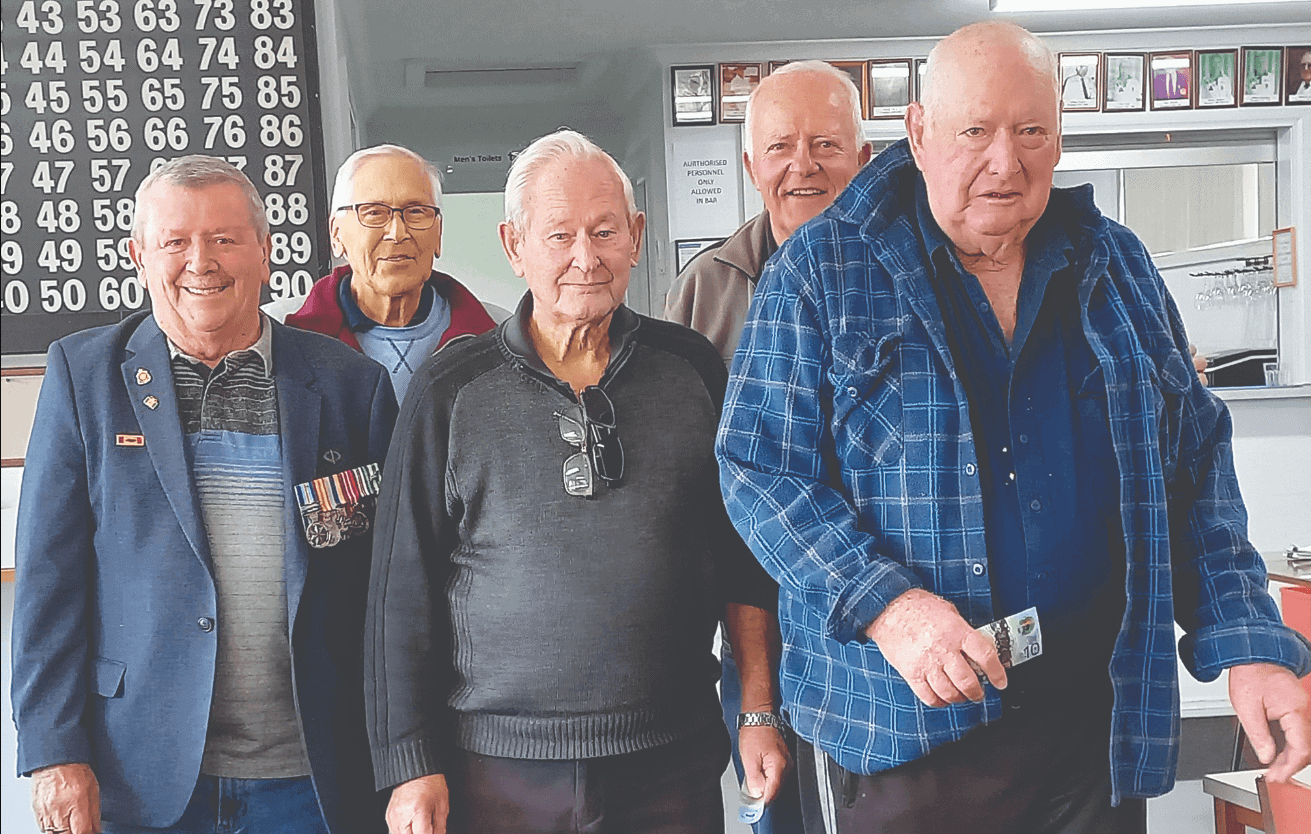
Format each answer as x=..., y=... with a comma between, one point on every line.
x=343, y=187
x=200, y=171
x=563, y=144
x=821, y=68
x=1034, y=50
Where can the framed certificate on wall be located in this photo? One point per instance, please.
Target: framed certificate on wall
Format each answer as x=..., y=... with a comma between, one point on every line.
x=693, y=90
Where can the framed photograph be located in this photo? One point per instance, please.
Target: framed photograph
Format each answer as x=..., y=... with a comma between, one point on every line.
x=736, y=81
x=1263, y=76
x=773, y=65
x=1297, y=83
x=1217, y=78
x=1125, y=90
x=921, y=66
x=1081, y=81
x=1284, y=260
x=856, y=70
x=693, y=95
x=890, y=88
x=686, y=250
x=1172, y=80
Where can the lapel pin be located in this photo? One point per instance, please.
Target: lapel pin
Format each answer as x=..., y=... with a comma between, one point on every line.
x=143, y=376
x=129, y=440
x=332, y=456
x=151, y=402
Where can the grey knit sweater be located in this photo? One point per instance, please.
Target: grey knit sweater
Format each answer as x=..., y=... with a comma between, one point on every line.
x=511, y=619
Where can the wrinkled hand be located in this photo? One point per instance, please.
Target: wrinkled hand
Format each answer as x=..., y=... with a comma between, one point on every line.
x=419, y=806
x=66, y=798
x=926, y=639
x=1264, y=692
x=765, y=760
x=1199, y=363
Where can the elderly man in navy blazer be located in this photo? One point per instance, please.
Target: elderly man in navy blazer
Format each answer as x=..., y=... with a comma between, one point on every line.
x=193, y=546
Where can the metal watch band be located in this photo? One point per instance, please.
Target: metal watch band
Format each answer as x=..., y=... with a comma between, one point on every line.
x=759, y=719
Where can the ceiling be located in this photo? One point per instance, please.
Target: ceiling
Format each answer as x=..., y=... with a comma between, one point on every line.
x=602, y=37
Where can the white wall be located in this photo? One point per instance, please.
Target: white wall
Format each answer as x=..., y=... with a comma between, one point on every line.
x=471, y=249
x=15, y=798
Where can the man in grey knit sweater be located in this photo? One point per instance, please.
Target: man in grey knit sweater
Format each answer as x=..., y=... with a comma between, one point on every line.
x=552, y=554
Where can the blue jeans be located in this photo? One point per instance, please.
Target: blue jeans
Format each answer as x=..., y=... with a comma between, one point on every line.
x=244, y=806
x=783, y=815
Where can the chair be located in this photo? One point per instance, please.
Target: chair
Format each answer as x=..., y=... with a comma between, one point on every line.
x=1286, y=808
x=1296, y=604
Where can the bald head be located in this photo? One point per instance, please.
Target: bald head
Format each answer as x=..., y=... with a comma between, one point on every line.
x=986, y=135
x=956, y=59
x=803, y=84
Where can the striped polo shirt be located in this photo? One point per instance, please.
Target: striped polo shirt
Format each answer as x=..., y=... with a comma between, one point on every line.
x=229, y=415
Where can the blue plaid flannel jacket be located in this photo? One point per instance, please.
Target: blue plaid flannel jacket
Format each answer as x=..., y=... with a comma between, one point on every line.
x=848, y=465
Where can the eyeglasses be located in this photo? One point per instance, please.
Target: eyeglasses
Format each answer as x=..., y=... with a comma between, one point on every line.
x=378, y=215
x=590, y=426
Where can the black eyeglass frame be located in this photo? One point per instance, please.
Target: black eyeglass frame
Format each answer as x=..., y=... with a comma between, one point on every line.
x=392, y=211
x=591, y=427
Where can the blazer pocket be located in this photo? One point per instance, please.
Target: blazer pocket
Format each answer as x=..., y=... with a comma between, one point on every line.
x=109, y=676
x=867, y=427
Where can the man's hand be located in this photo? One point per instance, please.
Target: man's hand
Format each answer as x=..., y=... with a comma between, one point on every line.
x=419, y=806
x=764, y=760
x=66, y=799
x=926, y=639
x=1264, y=692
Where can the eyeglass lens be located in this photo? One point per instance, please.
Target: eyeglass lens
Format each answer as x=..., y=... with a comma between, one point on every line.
x=377, y=215
x=591, y=427
x=578, y=476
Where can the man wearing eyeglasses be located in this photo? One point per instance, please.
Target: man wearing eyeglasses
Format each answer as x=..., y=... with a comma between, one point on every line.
x=554, y=556
x=387, y=301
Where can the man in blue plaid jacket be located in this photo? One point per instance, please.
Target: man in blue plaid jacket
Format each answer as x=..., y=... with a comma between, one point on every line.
x=961, y=393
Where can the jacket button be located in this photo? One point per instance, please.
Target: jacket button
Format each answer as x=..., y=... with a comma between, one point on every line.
x=978, y=569
x=206, y=624
x=969, y=469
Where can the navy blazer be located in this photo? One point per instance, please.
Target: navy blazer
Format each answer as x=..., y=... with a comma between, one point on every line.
x=115, y=631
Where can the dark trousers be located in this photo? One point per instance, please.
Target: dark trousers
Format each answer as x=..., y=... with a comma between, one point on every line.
x=220, y=805
x=783, y=815
x=1033, y=772
x=671, y=789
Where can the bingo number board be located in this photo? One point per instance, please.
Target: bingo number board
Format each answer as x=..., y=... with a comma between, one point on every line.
x=96, y=94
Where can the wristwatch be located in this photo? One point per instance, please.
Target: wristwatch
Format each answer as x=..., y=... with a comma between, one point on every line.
x=759, y=719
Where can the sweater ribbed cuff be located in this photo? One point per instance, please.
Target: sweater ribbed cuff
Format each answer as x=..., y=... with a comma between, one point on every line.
x=404, y=761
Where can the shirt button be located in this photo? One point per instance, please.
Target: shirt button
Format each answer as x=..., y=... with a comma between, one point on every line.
x=969, y=469
x=1011, y=476
x=852, y=390
x=206, y=624
x=1004, y=450
x=1035, y=505
x=978, y=568
x=1024, y=438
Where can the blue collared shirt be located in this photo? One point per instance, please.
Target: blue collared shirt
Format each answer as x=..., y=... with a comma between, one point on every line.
x=849, y=465
x=1046, y=463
